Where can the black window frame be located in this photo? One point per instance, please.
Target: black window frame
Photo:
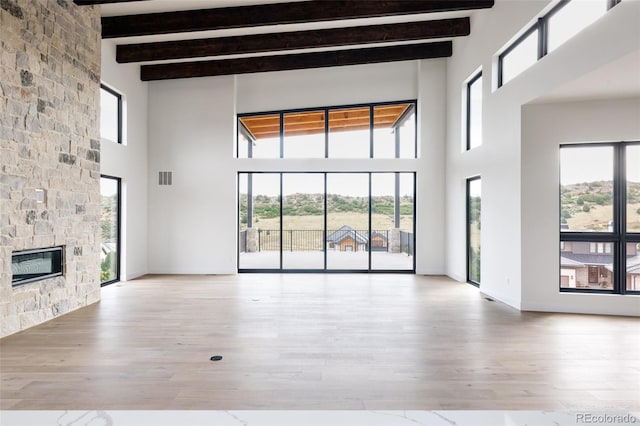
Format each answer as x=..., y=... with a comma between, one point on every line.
x=542, y=26
x=513, y=46
x=618, y=236
x=119, y=225
x=468, y=228
x=325, y=269
x=412, y=109
x=470, y=83
x=118, y=97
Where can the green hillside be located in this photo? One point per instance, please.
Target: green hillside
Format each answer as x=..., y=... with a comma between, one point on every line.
x=589, y=206
x=267, y=207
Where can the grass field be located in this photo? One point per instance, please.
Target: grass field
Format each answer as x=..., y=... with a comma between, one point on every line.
x=598, y=218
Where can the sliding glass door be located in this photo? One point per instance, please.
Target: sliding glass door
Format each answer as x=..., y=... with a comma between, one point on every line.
x=303, y=221
x=392, y=221
x=260, y=219
x=319, y=221
x=348, y=221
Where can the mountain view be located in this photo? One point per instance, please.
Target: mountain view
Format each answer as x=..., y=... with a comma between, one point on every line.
x=300, y=210
x=589, y=206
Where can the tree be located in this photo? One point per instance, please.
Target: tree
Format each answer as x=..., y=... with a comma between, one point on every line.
x=107, y=267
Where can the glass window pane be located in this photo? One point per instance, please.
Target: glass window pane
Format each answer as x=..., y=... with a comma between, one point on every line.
x=394, y=131
x=109, y=116
x=475, y=113
x=474, y=202
x=384, y=132
x=349, y=133
x=347, y=221
x=243, y=145
x=391, y=239
x=571, y=19
x=304, y=135
x=264, y=131
x=633, y=188
x=581, y=268
x=520, y=58
x=260, y=238
x=109, y=232
x=243, y=202
x=303, y=220
x=633, y=266
x=408, y=136
x=586, y=189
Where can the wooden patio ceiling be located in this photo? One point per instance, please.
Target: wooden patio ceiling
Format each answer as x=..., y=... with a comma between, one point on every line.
x=313, y=122
x=211, y=51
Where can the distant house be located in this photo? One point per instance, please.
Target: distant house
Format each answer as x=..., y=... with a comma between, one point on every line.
x=347, y=239
x=379, y=241
x=633, y=273
x=589, y=265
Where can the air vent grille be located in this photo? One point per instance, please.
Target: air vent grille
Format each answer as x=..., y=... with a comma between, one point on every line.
x=165, y=178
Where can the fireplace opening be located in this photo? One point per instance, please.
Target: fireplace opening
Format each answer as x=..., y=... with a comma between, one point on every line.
x=28, y=266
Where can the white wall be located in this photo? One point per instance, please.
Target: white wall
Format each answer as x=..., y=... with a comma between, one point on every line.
x=430, y=205
x=498, y=161
x=192, y=225
x=544, y=128
x=129, y=160
x=274, y=91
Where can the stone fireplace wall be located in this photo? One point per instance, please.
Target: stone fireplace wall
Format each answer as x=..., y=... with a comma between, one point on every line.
x=49, y=139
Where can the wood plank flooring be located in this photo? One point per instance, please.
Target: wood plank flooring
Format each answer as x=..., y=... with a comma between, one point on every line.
x=318, y=342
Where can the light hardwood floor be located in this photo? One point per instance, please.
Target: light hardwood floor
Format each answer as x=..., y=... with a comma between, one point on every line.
x=318, y=342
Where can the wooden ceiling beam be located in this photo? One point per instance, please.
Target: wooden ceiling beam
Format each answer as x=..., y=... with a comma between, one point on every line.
x=274, y=14
x=258, y=43
x=293, y=62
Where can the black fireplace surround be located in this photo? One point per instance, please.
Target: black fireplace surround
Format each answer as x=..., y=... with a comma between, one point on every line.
x=28, y=266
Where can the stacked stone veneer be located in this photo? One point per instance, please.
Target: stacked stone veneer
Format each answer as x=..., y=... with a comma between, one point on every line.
x=49, y=139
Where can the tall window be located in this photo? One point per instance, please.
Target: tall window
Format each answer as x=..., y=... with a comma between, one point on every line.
x=474, y=111
x=474, y=201
x=557, y=26
x=382, y=130
x=110, y=114
x=109, y=229
x=600, y=218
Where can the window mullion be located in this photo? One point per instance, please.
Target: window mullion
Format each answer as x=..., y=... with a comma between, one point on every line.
x=282, y=135
x=326, y=135
x=542, y=37
x=371, y=118
x=281, y=227
x=620, y=203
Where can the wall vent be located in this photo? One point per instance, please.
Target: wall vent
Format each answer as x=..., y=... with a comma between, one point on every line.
x=165, y=178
